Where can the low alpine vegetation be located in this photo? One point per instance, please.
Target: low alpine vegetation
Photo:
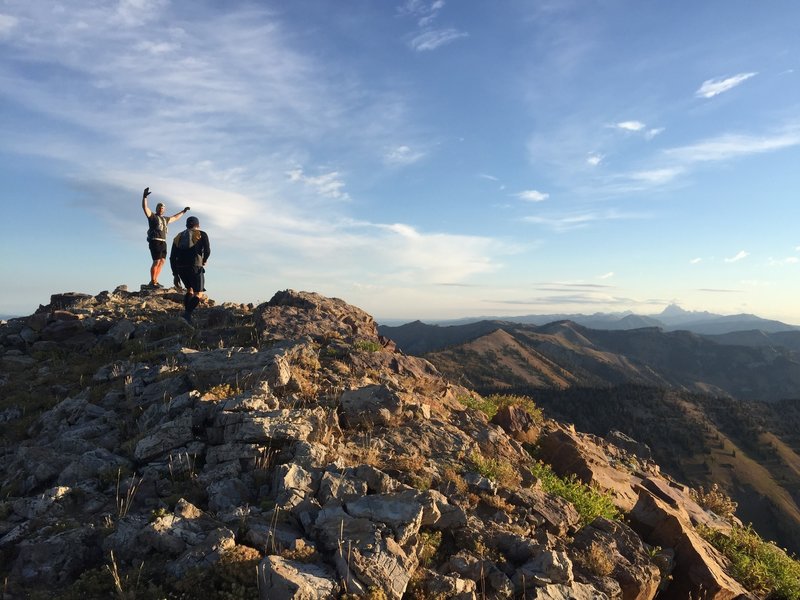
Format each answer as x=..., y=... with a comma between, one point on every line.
x=758, y=565
x=496, y=470
x=715, y=500
x=491, y=405
x=589, y=503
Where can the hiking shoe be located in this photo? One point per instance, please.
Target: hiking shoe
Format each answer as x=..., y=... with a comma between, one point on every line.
x=177, y=283
x=156, y=285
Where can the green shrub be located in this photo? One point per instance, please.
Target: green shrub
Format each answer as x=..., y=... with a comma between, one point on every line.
x=478, y=403
x=493, y=403
x=367, y=345
x=429, y=545
x=589, y=502
x=760, y=566
x=499, y=471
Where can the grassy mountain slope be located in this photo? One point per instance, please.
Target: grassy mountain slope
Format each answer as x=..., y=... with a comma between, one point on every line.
x=650, y=356
x=694, y=402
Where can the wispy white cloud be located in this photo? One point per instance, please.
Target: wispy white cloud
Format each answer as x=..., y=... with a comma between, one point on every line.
x=560, y=286
x=630, y=125
x=638, y=127
x=138, y=12
x=328, y=185
x=779, y=262
x=402, y=155
x=737, y=257
x=557, y=301
x=413, y=256
x=682, y=160
x=608, y=275
x=580, y=220
x=695, y=261
x=594, y=159
x=714, y=87
x=757, y=283
x=429, y=37
x=732, y=146
x=657, y=176
x=157, y=47
x=532, y=196
x=433, y=39
x=425, y=11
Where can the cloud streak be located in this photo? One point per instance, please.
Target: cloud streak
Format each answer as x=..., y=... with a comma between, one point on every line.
x=631, y=125
x=429, y=37
x=532, y=196
x=730, y=146
x=580, y=220
x=715, y=87
x=328, y=185
x=742, y=254
x=433, y=39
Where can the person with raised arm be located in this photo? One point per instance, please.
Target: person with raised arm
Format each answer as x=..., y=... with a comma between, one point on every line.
x=157, y=235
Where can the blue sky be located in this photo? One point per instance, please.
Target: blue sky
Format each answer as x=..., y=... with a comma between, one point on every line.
x=419, y=159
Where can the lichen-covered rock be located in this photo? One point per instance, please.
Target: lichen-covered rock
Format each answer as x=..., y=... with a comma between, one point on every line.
x=370, y=405
x=281, y=579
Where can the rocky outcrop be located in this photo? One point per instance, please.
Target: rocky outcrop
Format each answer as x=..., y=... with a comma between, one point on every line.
x=700, y=569
x=292, y=430
x=662, y=512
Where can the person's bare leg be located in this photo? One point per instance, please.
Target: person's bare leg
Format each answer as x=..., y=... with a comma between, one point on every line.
x=155, y=271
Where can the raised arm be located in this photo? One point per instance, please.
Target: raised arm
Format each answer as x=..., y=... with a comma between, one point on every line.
x=147, y=212
x=177, y=216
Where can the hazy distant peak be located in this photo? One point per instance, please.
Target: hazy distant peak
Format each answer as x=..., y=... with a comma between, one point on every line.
x=673, y=310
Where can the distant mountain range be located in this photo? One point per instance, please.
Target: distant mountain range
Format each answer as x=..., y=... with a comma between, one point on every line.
x=672, y=318
x=748, y=365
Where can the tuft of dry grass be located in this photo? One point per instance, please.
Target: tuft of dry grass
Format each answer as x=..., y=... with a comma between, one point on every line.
x=497, y=470
x=452, y=480
x=595, y=559
x=497, y=502
x=715, y=500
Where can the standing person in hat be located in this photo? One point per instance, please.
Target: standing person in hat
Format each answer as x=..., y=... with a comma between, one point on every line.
x=157, y=235
x=187, y=258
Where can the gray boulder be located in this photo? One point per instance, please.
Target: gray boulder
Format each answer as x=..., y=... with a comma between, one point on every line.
x=281, y=579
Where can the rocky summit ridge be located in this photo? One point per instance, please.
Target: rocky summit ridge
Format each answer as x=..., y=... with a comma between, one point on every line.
x=288, y=451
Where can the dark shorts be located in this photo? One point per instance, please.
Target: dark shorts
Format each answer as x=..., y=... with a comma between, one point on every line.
x=158, y=249
x=193, y=277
